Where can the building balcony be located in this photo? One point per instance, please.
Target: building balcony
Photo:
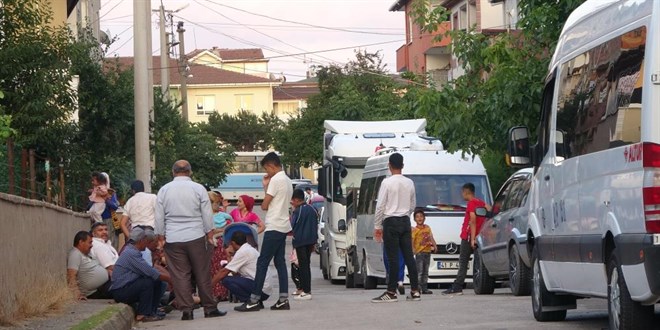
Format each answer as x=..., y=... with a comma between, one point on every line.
x=402, y=58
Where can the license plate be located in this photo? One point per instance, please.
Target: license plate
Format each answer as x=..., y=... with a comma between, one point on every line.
x=656, y=239
x=447, y=264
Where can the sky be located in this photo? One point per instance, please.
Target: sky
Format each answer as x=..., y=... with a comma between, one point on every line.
x=240, y=28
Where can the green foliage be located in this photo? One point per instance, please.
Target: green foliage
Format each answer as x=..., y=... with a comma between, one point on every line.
x=359, y=90
x=5, y=123
x=244, y=131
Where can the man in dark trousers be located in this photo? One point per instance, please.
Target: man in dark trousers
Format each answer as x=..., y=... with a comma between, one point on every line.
x=305, y=234
x=396, y=202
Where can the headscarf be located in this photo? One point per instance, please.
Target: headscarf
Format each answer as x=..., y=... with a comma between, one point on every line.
x=248, y=201
x=107, y=178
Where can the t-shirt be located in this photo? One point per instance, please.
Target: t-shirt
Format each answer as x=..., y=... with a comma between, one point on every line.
x=471, y=208
x=422, y=239
x=250, y=217
x=244, y=263
x=103, y=252
x=91, y=275
x=141, y=209
x=277, y=217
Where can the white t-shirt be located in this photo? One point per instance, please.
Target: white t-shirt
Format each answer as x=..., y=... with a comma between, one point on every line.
x=244, y=263
x=277, y=217
x=103, y=252
x=90, y=273
x=141, y=209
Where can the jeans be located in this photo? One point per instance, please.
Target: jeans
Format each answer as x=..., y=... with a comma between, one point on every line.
x=241, y=287
x=146, y=292
x=423, y=260
x=272, y=248
x=463, y=260
x=397, y=236
x=304, y=254
x=402, y=265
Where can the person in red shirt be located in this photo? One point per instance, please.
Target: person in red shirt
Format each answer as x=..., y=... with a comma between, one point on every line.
x=471, y=227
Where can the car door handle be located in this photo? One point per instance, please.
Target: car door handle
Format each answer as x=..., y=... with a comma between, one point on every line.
x=512, y=219
x=370, y=238
x=547, y=178
x=494, y=224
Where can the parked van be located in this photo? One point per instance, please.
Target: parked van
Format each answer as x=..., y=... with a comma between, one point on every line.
x=438, y=177
x=594, y=223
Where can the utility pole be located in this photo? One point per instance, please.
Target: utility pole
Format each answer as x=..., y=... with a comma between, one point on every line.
x=183, y=70
x=141, y=13
x=150, y=64
x=164, y=58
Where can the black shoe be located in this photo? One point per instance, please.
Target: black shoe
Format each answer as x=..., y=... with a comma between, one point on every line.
x=249, y=307
x=214, y=313
x=453, y=291
x=187, y=316
x=402, y=289
x=261, y=304
x=414, y=296
x=281, y=306
x=427, y=292
x=386, y=297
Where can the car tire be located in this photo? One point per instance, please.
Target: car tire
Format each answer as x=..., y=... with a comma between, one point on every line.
x=368, y=282
x=483, y=282
x=520, y=276
x=350, y=276
x=624, y=313
x=540, y=294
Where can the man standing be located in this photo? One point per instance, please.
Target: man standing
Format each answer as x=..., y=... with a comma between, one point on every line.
x=396, y=202
x=139, y=209
x=471, y=227
x=278, y=189
x=102, y=249
x=85, y=276
x=134, y=281
x=184, y=220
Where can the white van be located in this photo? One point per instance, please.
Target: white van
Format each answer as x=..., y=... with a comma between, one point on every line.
x=439, y=177
x=594, y=224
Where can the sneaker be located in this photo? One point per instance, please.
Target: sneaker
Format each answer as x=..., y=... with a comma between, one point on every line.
x=414, y=296
x=427, y=292
x=386, y=297
x=402, y=290
x=453, y=291
x=303, y=296
x=281, y=306
x=297, y=292
x=248, y=307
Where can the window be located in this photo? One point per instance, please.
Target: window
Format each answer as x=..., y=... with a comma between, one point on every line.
x=374, y=199
x=600, y=96
x=366, y=195
x=244, y=101
x=463, y=17
x=444, y=192
x=205, y=104
x=454, y=20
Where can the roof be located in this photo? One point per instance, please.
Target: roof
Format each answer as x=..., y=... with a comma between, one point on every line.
x=294, y=91
x=200, y=74
x=392, y=126
x=226, y=54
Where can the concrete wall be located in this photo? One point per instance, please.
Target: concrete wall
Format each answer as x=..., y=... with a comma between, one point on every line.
x=35, y=238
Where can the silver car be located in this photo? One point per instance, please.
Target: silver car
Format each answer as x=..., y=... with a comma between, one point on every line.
x=501, y=254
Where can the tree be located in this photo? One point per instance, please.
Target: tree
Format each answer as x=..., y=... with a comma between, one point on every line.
x=359, y=90
x=245, y=131
x=5, y=123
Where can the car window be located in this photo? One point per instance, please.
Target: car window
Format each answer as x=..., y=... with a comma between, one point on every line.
x=501, y=197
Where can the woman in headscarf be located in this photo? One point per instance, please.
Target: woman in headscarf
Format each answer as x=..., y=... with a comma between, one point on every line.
x=243, y=213
x=220, y=220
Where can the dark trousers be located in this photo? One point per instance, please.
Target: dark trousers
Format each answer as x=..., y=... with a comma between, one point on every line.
x=146, y=292
x=402, y=265
x=185, y=261
x=423, y=260
x=397, y=236
x=103, y=292
x=272, y=248
x=295, y=275
x=241, y=287
x=304, y=254
x=463, y=260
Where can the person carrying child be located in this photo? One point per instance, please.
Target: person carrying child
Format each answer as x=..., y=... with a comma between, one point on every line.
x=98, y=196
x=423, y=245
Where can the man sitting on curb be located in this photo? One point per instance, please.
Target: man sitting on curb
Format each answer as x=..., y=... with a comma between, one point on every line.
x=244, y=267
x=134, y=281
x=102, y=249
x=85, y=276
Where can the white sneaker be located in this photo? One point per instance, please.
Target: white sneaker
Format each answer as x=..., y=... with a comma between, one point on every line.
x=297, y=293
x=303, y=296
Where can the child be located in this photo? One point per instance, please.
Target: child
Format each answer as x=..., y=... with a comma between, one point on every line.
x=305, y=235
x=98, y=195
x=423, y=245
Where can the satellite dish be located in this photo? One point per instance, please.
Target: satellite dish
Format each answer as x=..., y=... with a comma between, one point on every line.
x=104, y=38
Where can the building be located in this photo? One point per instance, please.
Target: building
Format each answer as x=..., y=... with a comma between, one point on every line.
x=290, y=97
x=423, y=55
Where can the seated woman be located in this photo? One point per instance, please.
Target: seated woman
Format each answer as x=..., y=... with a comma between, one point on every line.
x=220, y=220
x=243, y=213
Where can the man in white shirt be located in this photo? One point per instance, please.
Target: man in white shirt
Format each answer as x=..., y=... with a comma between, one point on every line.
x=139, y=209
x=396, y=202
x=102, y=249
x=244, y=267
x=279, y=190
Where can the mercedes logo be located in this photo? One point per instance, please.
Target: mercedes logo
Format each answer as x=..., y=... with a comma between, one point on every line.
x=451, y=248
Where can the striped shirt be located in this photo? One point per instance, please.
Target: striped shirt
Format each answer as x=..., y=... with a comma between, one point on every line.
x=130, y=267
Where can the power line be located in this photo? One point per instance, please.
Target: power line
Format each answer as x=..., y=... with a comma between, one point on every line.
x=272, y=26
x=111, y=9
x=335, y=49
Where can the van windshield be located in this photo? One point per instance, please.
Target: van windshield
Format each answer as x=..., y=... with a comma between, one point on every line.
x=444, y=192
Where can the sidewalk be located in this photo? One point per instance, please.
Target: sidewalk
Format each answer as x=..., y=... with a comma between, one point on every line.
x=91, y=314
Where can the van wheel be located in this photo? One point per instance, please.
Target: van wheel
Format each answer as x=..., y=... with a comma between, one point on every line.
x=624, y=313
x=483, y=282
x=541, y=295
x=350, y=276
x=368, y=282
x=520, y=276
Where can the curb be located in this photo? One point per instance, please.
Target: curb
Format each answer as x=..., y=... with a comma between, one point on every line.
x=115, y=317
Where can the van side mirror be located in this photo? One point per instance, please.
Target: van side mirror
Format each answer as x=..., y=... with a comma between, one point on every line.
x=518, y=152
x=481, y=212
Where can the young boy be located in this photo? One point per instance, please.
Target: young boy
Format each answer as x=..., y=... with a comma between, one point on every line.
x=423, y=245
x=305, y=234
x=278, y=188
